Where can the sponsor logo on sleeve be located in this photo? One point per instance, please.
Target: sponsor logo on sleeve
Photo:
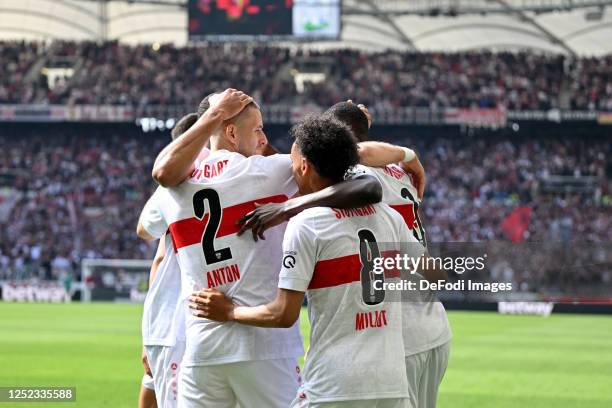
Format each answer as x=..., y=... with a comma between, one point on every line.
x=289, y=259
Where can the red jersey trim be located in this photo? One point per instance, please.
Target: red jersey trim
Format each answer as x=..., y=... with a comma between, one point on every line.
x=189, y=231
x=407, y=213
x=343, y=270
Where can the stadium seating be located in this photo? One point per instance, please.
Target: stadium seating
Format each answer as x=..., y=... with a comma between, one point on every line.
x=117, y=74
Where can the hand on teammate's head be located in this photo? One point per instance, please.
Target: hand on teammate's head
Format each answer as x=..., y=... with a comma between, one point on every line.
x=229, y=103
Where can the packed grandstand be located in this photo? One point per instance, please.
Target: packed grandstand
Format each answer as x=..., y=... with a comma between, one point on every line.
x=505, y=129
x=140, y=75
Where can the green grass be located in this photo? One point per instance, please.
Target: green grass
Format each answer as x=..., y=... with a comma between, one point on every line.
x=496, y=361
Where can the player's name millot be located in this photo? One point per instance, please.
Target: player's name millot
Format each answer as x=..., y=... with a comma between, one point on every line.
x=461, y=285
x=372, y=319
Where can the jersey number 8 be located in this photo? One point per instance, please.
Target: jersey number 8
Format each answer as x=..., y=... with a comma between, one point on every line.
x=368, y=251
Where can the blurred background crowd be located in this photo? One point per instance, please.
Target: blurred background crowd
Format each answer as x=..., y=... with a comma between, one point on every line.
x=80, y=188
x=80, y=194
x=142, y=75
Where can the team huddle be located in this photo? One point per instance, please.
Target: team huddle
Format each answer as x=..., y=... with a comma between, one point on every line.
x=246, y=234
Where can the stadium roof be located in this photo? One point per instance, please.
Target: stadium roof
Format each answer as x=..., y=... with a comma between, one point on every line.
x=579, y=27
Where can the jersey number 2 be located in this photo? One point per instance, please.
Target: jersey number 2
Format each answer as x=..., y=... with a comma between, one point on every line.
x=215, y=212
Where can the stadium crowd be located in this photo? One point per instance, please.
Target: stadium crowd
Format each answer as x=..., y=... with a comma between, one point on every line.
x=80, y=195
x=117, y=74
x=17, y=58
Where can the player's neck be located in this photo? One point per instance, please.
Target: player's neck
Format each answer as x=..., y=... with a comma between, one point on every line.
x=319, y=183
x=219, y=143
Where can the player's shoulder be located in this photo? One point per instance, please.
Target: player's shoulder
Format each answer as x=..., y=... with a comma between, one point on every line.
x=160, y=194
x=272, y=161
x=311, y=214
x=304, y=224
x=386, y=216
x=312, y=217
x=359, y=170
x=385, y=210
x=393, y=177
x=231, y=157
x=218, y=161
x=392, y=172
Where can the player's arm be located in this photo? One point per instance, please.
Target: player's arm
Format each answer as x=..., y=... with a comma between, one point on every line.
x=159, y=257
x=143, y=233
x=151, y=223
x=300, y=247
x=415, y=169
x=283, y=311
x=412, y=167
x=175, y=162
x=354, y=193
x=378, y=154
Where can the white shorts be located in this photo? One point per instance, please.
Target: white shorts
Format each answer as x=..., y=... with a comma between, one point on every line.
x=165, y=367
x=425, y=372
x=251, y=384
x=147, y=382
x=301, y=401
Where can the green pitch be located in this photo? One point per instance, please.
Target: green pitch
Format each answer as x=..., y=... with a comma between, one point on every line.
x=496, y=361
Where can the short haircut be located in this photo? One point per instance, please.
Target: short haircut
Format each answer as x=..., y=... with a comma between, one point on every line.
x=183, y=124
x=352, y=116
x=205, y=105
x=327, y=144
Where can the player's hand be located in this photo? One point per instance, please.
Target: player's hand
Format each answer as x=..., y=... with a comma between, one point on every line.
x=211, y=304
x=229, y=103
x=415, y=169
x=365, y=111
x=145, y=363
x=263, y=217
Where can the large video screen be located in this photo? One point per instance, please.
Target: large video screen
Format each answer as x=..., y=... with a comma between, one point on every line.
x=263, y=19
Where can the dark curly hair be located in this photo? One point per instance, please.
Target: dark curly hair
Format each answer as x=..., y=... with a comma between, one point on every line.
x=352, y=116
x=327, y=144
x=183, y=124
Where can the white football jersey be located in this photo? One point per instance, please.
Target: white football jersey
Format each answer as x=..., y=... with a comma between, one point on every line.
x=201, y=214
x=163, y=317
x=356, y=349
x=425, y=322
x=164, y=310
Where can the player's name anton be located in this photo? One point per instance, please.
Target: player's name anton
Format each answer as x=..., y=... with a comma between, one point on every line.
x=461, y=285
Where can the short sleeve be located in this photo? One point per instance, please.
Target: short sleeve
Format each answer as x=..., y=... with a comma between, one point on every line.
x=299, y=255
x=151, y=216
